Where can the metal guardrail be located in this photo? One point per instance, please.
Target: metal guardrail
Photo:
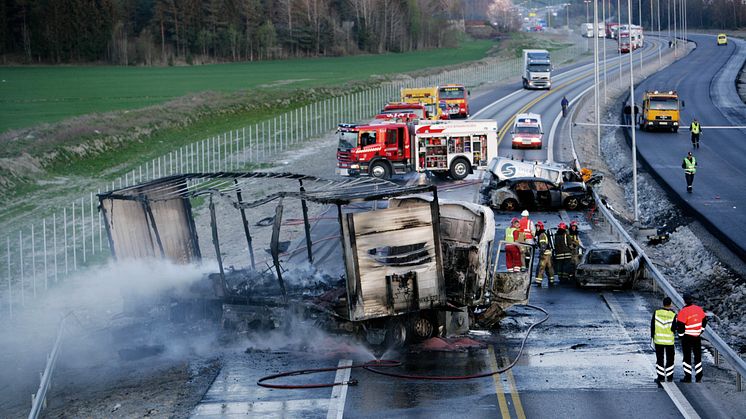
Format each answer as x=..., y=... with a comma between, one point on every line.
x=721, y=348
x=39, y=400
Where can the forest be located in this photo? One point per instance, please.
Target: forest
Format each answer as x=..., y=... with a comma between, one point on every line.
x=156, y=32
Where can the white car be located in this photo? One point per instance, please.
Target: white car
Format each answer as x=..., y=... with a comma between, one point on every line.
x=527, y=131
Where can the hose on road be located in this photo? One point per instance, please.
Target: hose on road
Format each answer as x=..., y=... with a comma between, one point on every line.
x=375, y=366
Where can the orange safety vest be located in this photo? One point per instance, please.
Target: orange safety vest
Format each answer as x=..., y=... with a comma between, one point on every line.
x=691, y=316
x=525, y=227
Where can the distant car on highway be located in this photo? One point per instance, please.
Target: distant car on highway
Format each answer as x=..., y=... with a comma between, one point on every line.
x=527, y=131
x=532, y=193
x=722, y=39
x=609, y=264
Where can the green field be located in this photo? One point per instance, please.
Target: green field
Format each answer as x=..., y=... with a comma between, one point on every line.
x=32, y=95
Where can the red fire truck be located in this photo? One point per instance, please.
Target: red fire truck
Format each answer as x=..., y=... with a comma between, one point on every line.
x=444, y=148
x=402, y=112
x=453, y=100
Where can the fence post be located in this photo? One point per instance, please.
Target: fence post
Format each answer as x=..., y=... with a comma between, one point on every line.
x=75, y=250
x=10, y=284
x=23, y=277
x=54, y=244
x=82, y=226
x=33, y=259
x=46, y=271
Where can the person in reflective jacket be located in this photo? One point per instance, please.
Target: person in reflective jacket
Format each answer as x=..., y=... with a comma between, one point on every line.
x=690, y=323
x=563, y=253
x=690, y=168
x=662, y=332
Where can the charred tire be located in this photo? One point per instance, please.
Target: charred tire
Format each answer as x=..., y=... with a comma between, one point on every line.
x=422, y=328
x=396, y=334
x=459, y=169
x=380, y=170
x=509, y=204
x=572, y=203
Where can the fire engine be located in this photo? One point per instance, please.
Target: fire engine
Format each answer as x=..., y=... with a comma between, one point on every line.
x=402, y=112
x=630, y=38
x=452, y=99
x=426, y=96
x=444, y=148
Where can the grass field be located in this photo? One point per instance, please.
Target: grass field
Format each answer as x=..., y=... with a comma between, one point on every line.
x=32, y=95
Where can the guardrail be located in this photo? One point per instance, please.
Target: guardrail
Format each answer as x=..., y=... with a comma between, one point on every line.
x=39, y=400
x=721, y=348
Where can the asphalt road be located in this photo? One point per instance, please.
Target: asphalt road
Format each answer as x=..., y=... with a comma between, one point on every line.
x=589, y=360
x=705, y=81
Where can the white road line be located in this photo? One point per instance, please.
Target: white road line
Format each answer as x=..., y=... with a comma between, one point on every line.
x=550, y=142
x=673, y=392
x=339, y=393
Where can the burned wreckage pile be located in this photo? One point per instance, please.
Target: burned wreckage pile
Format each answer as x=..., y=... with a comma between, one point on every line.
x=413, y=267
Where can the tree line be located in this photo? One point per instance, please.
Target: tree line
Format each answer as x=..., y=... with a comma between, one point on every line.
x=134, y=32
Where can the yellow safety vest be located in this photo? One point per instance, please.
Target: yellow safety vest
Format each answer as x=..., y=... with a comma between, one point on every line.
x=695, y=128
x=690, y=165
x=509, y=234
x=663, y=321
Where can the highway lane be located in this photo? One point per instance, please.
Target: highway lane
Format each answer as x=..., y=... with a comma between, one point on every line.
x=578, y=364
x=719, y=196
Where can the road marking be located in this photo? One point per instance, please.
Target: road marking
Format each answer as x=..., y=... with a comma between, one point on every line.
x=550, y=140
x=499, y=390
x=673, y=392
x=339, y=393
x=515, y=396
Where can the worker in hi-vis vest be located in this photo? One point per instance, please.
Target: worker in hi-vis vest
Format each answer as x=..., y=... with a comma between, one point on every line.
x=662, y=332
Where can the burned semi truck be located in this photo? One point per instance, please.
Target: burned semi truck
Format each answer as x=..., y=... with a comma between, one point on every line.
x=413, y=266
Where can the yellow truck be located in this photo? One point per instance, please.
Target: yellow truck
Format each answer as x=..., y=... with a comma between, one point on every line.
x=428, y=96
x=660, y=110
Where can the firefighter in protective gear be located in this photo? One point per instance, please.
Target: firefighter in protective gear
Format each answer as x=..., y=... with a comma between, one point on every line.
x=563, y=252
x=690, y=168
x=690, y=323
x=696, y=129
x=662, y=332
x=526, y=233
x=512, y=252
x=545, y=254
x=575, y=245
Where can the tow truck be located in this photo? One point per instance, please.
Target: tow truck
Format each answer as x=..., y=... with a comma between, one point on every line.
x=444, y=148
x=660, y=110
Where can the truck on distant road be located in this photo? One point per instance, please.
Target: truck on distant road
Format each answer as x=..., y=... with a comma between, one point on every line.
x=537, y=69
x=444, y=148
x=449, y=101
x=630, y=38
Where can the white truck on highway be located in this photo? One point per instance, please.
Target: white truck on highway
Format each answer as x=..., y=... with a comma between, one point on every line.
x=537, y=69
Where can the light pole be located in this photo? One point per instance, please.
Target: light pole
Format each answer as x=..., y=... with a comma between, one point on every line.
x=633, y=116
x=595, y=75
x=618, y=29
x=603, y=17
x=587, y=2
x=639, y=19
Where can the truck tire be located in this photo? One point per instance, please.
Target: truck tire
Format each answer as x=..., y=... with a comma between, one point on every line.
x=380, y=170
x=509, y=204
x=459, y=169
x=572, y=203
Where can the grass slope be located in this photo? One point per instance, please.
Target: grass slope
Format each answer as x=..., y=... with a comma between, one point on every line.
x=33, y=95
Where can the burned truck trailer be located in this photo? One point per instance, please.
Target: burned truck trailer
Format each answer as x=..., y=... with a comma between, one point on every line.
x=417, y=268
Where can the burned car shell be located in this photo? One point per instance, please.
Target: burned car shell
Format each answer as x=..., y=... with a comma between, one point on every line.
x=609, y=264
x=532, y=193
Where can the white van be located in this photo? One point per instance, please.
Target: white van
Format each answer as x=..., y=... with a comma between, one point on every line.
x=527, y=131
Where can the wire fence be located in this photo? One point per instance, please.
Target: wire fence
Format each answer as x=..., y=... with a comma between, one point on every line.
x=60, y=242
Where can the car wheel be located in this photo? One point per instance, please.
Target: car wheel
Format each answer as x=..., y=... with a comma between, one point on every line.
x=422, y=327
x=380, y=170
x=459, y=169
x=509, y=204
x=572, y=203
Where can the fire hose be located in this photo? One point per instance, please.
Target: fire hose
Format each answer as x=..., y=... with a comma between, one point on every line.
x=375, y=365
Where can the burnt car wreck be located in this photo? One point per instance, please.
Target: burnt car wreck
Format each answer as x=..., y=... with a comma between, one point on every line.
x=398, y=263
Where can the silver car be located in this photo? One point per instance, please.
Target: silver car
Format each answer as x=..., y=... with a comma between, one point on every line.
x=609, y=264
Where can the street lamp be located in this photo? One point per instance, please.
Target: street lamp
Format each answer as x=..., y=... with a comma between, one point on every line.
x=587, y=2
